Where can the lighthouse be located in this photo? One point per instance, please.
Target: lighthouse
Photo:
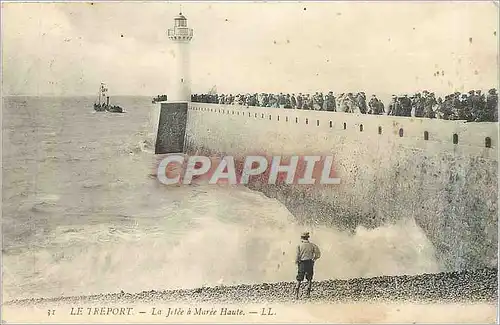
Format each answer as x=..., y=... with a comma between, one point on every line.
x=180, y=36
x=169, y=117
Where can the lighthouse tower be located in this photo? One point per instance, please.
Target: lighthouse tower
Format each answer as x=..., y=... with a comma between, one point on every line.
x=180, y=36
x=170, y=118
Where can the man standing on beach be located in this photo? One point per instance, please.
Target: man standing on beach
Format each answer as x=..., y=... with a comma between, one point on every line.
x=307, y=254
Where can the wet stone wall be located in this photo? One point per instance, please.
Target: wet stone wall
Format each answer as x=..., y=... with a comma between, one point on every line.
x=441, y=173
x=171, y=128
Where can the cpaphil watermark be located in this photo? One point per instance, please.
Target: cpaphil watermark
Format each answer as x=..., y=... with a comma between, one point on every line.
x=304, y=170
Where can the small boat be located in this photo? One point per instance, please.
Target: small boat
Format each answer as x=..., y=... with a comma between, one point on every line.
x=105, y=106
x=159, y=98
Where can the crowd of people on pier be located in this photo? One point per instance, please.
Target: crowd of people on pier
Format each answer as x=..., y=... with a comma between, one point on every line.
x=473, y=106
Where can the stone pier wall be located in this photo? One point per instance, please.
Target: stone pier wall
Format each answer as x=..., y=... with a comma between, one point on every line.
x=442, y=173
x=171, y=130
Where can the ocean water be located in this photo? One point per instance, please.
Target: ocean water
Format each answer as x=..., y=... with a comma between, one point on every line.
x=82, y=215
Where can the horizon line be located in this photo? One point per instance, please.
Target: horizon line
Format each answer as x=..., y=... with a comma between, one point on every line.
x=251, y=93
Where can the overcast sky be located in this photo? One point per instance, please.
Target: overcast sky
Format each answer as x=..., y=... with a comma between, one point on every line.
x=378, y=47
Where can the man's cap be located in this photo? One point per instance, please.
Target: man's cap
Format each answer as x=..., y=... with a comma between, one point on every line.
x=305, y=234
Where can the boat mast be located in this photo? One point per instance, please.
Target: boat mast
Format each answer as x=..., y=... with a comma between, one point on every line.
x=103, y=92
x=100, y=90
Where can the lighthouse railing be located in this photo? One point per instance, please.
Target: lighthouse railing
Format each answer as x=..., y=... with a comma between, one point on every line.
x=180, y=31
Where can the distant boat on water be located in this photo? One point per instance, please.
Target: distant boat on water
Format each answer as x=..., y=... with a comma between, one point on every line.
x=159, y=98
x=105, y=106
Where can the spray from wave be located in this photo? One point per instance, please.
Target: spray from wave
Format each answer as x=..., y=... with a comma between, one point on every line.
x=214, y=236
